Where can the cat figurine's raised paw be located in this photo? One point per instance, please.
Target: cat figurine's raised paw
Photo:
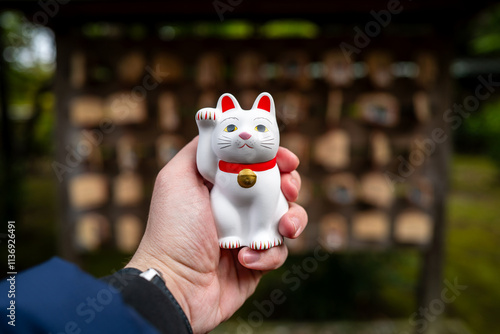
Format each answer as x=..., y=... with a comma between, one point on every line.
x=237, y=153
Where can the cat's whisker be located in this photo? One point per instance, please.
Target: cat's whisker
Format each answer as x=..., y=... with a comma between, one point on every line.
x=223, y=147
x=266, y=147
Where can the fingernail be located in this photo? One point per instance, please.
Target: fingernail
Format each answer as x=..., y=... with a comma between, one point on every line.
x=250, y=258
x=295, y=182
x=296, y=225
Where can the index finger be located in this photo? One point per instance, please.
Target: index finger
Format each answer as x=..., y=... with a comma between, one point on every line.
x=287, y=161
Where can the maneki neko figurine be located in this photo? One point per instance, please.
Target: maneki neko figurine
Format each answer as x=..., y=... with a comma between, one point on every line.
x=237, y=153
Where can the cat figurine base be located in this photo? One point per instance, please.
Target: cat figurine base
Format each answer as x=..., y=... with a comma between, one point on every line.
x=237, y=153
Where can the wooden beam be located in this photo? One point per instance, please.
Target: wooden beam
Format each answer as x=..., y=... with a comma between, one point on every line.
x=341, y=11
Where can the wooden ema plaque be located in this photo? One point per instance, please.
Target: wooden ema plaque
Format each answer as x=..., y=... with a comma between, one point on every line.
x=86, y=146
x=413, y=226
x=376, y=190
x=379, y=109
x=422, y=106
x=341, y=188
x=78, y=74
x=86, y=111
x=128, y=229
x=127, y=189
x=334, y=107
x=126, y=108
x=127, y=152
x=88, y=190
x=168, y=111
x=379, y=68
x=332, y=150
x=91, y=231
x=170, y=67
x=380, y=149
x=292, y=108
x=338, y=69
x=371, y=226
x=420, y=192
x=131, y=67
x=428, y=69
x=293, y=68
x=298, y=144
x=210, y=70
x=333, y=232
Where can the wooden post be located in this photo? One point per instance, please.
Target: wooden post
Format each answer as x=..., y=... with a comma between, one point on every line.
x=431, y=275
x=65, y=214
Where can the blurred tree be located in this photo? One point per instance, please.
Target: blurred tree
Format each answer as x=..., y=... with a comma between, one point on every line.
x=479, y=133
x=485, y=31
x=27, y=63
x=483, y=129
x=29, y=58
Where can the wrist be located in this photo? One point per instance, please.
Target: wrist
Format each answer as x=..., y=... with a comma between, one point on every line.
x=169, y=278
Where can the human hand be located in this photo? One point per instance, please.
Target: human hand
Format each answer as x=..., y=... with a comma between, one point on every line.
x=181, y=241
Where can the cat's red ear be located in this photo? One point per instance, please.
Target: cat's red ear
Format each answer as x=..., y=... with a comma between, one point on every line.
x=264, y=103
x=227, y=103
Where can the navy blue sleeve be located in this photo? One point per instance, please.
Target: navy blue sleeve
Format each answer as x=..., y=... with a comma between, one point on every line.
x=151, y=299
x=57, y=297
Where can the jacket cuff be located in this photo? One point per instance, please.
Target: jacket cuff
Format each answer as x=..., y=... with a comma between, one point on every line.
x=151, y=299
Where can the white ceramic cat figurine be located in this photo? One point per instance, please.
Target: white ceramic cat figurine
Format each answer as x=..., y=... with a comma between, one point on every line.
x=237, y=153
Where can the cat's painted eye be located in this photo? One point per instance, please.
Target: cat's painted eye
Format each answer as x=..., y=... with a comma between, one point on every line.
x=261, y=128
x=230, y=128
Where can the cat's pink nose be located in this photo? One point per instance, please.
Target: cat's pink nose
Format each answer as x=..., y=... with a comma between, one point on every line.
x=245, y=135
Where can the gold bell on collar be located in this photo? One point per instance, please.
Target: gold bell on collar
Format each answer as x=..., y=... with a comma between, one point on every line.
x=247, y=178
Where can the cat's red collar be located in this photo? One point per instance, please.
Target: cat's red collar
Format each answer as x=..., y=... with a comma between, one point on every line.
x=230, y=167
